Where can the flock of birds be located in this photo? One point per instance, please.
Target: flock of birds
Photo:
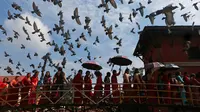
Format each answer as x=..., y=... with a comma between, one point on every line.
x=59, y=29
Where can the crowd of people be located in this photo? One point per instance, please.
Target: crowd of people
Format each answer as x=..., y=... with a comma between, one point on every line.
x=158, y=87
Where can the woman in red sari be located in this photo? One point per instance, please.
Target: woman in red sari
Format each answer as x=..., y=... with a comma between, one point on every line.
x=195, y=93
x=78, y=87
x=26, y=85
x=126, y=86
x=13, y=91
x=34, y=81
x=98, y=87
x=115, y=89
x=107, y=85
x=88, y=87
x=4, y=90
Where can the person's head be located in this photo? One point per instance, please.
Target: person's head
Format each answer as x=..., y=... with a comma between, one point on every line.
x=185, y=74
x=87, y=73
x=97, y=73
x=28, y=75
x=136, y=71
x=114, y=72
x=169, y=75
x=60, y=69
x=192, y=76
x=108, y=74
x=178, y=73
x=17, y=78
x=5, y=79
x=127, y=71
x=80, y=72
x=47, y=74
x=36, y=74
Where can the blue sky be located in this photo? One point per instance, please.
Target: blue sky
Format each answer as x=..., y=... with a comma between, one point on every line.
x=86, y=8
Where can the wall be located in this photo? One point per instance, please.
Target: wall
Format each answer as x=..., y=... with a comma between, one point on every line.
x=172, y=51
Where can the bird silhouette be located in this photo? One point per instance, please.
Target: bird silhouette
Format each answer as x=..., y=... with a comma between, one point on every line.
x=22, y=46
x=76, y=16
x=35, y=28
x=120, y=17
x=130, y=1
x=64, y=61
x=116, y=49
x=141, y=9
x=16, y=6
x=29, y=56
x=6, y=54
x=28, y=22
x=10, y=16
x=182, y=7
x=36, y=10
x=19, y=16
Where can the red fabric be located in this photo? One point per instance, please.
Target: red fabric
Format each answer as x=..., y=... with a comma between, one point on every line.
x=88, y=87
x=116, y=92
x=151, y=86
x=3, y=90
x=24, y=91
x=78, y=82
x=98, y=86
x=107, y=89
x=13, y=94
x=34, y=81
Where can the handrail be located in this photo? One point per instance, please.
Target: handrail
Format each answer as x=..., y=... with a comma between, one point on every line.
x=146, y=95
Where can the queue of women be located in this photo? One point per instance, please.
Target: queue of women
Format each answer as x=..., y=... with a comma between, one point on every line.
x=166, y=88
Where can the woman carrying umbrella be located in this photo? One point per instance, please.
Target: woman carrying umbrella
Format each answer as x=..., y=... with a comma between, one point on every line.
x=115, y=89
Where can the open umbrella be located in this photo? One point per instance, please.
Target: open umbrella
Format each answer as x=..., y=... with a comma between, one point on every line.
x=91, y=65
x=120, y=60
x=153, y=65
x=170, y=67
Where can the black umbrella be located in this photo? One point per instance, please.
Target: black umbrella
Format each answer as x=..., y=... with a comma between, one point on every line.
x=120, y=60
x=91, y=65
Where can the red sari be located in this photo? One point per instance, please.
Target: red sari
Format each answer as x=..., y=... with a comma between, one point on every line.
x=26, y=82
x=115, y=90
x=34, y=81
x=107, y=86
x=3, y=91
x=167, y=87
x=151, y=87
x=13, y=92
x=88, y=87
x=78, y=82
x=98, y=87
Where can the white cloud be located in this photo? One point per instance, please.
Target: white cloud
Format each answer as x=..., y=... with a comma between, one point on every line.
x=34, y=44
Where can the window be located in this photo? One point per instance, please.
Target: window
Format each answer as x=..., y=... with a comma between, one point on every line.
x=194, y=53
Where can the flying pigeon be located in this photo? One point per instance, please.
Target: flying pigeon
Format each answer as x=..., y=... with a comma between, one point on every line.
x=132, y=31
x=185, y=16
x=151, y=17
x=16, y=6
x=119, y=43
x=83, y=37
x=36, y=10
x=195, y=5
x=182, y=7
x=149, y=1
x=120, y=17
x=22, y=46
x=87, y=22
x=76, y=16
x=18, y=64
x=106, y=9
x=130, y=1
x=113, y=3
x=141, y=9
x=103, y=4
x=25, y=31
x=19, y=16
x=57, y=28
x=36, y=30
x=62, y=51
x=10, y=39
x=116, y=49
x=28, y=22
x=109, y=32
x=134, y=13
x=33, y=66
x=130, y=17
x=6, y=54
x=63, y=63
x=10, y=61
x=28, y=56
x=115, y=37
x=19, y=73
x=35, y=54
x=40, y=65
x=10, y=16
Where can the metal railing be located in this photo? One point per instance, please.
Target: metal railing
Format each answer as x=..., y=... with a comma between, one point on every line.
x=161, y=94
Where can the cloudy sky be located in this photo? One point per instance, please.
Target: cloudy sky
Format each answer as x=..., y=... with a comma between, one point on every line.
x=86, y=8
